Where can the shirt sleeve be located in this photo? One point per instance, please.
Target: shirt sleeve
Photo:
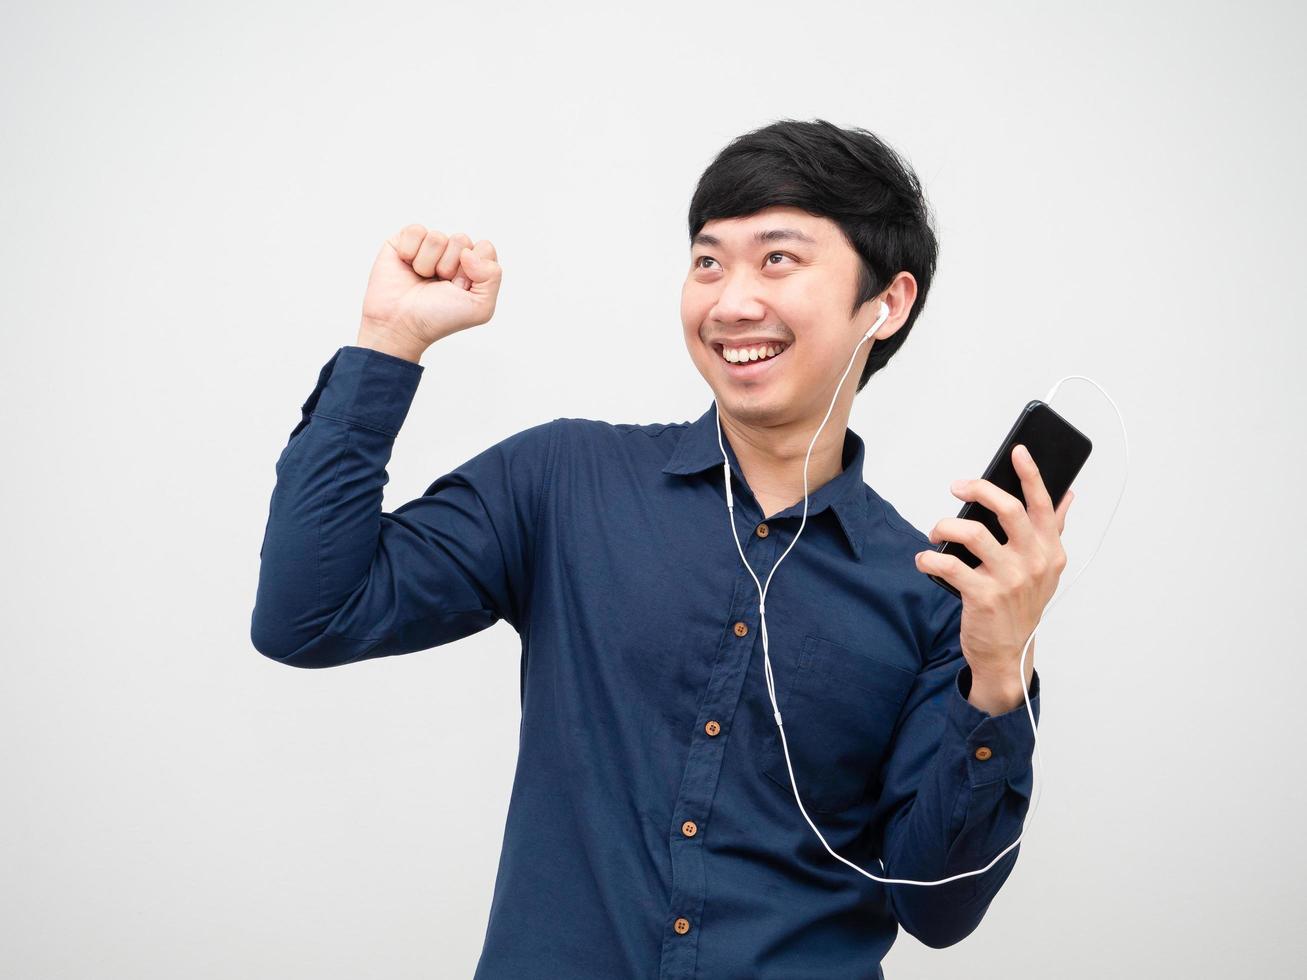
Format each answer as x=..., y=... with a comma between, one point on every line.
x=340, y=580
x=955, y=790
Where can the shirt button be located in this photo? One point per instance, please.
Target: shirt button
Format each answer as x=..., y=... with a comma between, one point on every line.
x=712, y=728
x=689, y=829
x=682, y=926
x=763, y=530
x=741, y=628
x=983, y=753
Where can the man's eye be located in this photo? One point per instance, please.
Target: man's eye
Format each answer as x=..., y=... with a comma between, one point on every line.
x=708, y=258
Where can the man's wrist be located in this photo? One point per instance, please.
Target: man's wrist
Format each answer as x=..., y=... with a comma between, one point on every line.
x=995, y=695
x=388, y=342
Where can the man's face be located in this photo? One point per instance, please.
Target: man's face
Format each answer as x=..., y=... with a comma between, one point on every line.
x=793, y=288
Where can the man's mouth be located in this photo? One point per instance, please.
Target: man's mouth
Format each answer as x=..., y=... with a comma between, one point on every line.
x=748, y=360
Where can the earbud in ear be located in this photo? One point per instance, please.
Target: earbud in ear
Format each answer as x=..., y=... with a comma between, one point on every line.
x=884, y=315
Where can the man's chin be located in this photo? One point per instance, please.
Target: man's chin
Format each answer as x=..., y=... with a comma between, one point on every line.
x=758, y=405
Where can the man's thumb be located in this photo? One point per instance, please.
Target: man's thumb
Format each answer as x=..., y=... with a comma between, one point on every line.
x=478, y=266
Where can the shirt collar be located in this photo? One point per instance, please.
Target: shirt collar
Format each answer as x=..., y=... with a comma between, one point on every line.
x=845, y=495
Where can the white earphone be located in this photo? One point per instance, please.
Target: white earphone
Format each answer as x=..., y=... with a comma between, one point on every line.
x=762, y=610
x=884, y=315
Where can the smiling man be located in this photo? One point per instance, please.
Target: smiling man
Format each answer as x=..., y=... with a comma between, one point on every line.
x=653, y=829
x=756, y=285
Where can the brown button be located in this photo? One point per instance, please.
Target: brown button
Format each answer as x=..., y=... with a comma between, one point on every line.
x=763, y=530
x=741, y=628
x=689, y=829
x=983, y=753
x=682, y=926
x=712, y=728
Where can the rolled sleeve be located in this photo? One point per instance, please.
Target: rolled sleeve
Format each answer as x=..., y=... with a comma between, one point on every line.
x=1008, y=737
x=365, y=387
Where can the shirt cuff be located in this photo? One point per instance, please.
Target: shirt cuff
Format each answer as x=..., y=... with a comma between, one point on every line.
x=365, y=387
x=997, y=746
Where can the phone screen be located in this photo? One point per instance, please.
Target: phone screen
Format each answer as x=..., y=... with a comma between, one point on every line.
x=1058, y=448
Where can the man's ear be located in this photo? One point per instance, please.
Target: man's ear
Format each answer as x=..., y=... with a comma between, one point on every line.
x=900, y=295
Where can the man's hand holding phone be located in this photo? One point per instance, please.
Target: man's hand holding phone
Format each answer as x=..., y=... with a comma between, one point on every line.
x=1003, y=597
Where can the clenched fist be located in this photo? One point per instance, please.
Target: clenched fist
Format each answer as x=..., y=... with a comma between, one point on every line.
x=426, y=285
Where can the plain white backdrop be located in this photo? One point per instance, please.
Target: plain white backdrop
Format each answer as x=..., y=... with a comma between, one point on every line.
x=192, y=198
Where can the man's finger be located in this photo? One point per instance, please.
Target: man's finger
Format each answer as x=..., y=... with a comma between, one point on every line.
x=1038, y=503
x=1062, y=508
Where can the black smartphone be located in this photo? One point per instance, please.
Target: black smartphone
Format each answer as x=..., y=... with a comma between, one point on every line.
x=1058, y=448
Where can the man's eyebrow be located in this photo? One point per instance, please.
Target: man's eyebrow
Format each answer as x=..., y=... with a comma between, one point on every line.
x=771, y=235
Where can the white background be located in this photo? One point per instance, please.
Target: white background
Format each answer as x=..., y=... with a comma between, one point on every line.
x=192, y=198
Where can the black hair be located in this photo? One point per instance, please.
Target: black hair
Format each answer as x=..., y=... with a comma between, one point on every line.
x=848, y=175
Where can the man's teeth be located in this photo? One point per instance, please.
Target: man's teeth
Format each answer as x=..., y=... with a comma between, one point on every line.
x=741, y=355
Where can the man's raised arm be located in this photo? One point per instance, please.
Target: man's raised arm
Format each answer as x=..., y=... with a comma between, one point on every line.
x=339, y=579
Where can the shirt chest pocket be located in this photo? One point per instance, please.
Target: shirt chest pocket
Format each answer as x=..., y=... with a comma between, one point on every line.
x=839, y=717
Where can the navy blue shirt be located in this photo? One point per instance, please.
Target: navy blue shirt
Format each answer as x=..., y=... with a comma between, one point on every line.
x=652, y=831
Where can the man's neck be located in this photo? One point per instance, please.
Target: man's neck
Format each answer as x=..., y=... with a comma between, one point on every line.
x=771, y=458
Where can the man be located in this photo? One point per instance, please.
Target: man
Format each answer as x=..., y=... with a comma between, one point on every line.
x=653, y=829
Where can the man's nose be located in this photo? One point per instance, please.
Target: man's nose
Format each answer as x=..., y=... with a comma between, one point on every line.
x=738, y=300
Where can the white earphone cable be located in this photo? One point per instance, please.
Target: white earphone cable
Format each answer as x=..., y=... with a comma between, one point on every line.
x=762, y=605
